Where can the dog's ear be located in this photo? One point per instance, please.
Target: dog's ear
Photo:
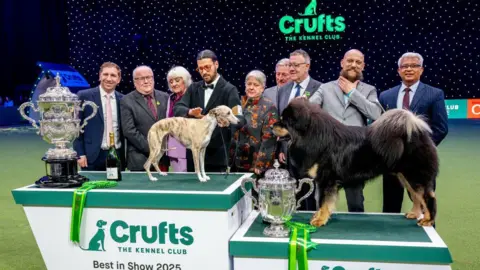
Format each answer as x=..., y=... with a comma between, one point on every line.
x=297, y=115
x=213, y=112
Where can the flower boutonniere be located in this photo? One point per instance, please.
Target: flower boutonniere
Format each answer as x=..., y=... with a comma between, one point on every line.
x=158, y=103
x=306, y=94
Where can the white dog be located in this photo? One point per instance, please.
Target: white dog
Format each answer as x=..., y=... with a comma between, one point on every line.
x=193, y=133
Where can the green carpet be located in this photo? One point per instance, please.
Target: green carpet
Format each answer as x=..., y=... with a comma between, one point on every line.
x=457, y=193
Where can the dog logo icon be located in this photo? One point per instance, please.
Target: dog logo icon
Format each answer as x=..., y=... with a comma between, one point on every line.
x=311, y=9
x=334, y=268
x=97, y=243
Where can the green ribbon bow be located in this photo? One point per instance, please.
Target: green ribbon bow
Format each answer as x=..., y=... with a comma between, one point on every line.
x=79, y=198
x=300, y=243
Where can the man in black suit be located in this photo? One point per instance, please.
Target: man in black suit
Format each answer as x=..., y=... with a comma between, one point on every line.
x=92, y=145
x=199, y=99
x=301, y=84
x=422, y=99
x=140, y=110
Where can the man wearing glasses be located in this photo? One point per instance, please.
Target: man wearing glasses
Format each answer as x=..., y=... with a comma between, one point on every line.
x=141, y=109
x=420, y=98
x=301, y=84
x=199, y=99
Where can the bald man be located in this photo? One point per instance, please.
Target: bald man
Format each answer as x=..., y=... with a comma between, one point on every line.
x=352, y=102
x=140, y=110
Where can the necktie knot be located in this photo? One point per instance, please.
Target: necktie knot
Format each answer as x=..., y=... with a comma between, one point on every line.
x=408, y=89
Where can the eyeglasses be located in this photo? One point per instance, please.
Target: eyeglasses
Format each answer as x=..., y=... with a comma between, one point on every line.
x=147, y=78
x=295, y=65
x=412, y=66
x=206, y=68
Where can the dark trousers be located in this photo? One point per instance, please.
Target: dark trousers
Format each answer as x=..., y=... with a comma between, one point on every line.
x=355, y=199
x=208, y=167
x=99, y=163
x=309, y=203
x=393, y=194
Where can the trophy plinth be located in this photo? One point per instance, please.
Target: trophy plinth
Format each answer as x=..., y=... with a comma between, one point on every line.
x=277, y=202
x=59, y=125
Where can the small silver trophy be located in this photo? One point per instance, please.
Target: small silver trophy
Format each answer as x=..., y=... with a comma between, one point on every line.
x=59, y=125
x=277, y=202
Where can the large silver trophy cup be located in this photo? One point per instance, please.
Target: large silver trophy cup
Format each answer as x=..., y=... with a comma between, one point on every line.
x=277, y=202
x=59, y=125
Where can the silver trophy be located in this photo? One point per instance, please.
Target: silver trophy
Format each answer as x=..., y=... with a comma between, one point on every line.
x=277, y=202
x=59, y=125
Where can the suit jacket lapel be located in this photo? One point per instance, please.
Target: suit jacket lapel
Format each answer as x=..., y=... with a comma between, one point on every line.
x=392, y=103
x=309, y=88
x=98, y=100
x=286, y=96
x=141, y=101
x=216, y=94
x=201, y=97
x=339, y=94
x=417, y=97
x=117, y=99
x=160, y=106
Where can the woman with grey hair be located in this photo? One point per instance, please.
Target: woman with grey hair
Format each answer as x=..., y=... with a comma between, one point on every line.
x=178, y=79
x=253, y=145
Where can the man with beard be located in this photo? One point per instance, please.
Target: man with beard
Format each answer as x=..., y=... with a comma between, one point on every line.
x=199, y=99
x=352, y=102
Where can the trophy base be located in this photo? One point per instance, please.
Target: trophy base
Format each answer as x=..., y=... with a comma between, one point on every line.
x=276, y=230
x=61, y=173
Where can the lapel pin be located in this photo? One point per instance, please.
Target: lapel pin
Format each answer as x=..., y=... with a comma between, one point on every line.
x=158, y=103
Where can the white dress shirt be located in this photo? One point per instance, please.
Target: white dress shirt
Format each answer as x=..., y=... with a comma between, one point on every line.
x=209, y=91
x=303, y=86
x=116, y=131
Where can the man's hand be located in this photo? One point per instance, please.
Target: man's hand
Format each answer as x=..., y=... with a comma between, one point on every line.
x=82, y=161
x=195, y=112
x=281, y=157
x=257, y=171
x=346, y=85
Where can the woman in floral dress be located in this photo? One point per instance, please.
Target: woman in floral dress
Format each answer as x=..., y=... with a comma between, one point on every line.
x=253, y=145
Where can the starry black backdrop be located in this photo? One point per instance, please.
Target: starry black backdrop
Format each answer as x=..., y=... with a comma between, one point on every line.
x=245, y=36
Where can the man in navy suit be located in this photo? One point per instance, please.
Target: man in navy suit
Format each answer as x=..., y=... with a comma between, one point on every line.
x=92, y=145
x=420, y=98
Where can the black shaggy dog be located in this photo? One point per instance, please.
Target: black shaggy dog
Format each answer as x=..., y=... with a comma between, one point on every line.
x=330, y=152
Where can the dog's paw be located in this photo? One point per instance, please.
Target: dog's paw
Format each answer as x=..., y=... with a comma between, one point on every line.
x=206, y=177
x=425, y=222
x=163, y=173
x=412, y=215
x=319, y=220
x=153, y=179
x=202, y=179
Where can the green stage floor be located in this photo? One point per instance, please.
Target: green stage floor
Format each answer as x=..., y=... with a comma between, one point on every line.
x=358, y=227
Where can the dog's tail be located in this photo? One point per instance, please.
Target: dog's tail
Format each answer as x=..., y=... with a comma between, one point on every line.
x=394, y=129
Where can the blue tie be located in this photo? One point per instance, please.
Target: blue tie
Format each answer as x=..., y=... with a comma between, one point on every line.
x=298, y=90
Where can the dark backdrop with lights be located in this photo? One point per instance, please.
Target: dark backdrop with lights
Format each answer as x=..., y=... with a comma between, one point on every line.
x=245, y=35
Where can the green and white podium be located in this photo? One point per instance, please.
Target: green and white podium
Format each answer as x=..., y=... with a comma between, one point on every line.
x=350, y=241
x=175, y=223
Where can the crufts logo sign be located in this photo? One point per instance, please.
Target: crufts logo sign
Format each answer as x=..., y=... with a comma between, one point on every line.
x=308, y=25
x=473, y=108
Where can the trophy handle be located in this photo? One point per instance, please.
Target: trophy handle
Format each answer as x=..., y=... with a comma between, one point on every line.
x=251, y=180
x=24, y=115
x=95, y=109
x=300, y=183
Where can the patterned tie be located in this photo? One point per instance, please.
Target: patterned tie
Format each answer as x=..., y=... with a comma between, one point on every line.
x=298, y=90
x=406, y=99
x=151, y=106
x=109, y=116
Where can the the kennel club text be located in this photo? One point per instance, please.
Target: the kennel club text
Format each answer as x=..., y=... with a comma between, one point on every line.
x=136, y=266
x=153, y=236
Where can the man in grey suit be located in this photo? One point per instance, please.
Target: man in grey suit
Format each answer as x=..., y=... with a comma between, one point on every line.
x=352, y=102
x=301, y=85
x=140, y=109
x=282, y=76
